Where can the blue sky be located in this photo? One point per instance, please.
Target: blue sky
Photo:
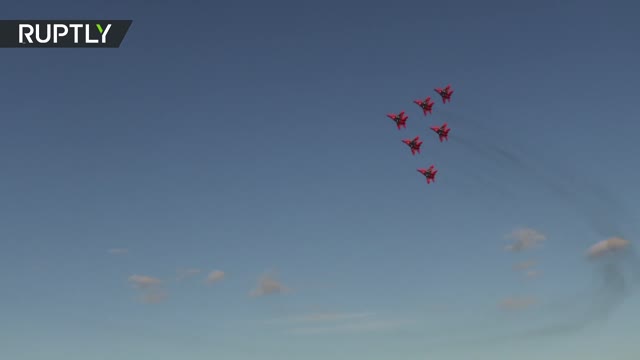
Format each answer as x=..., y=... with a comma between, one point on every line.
x=251, y=138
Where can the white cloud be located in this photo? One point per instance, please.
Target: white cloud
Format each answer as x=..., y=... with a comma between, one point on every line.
x=143, y=281
x=268, y=285
x=524, y=239
x=608, y=246
x=149, y=288
x=215, y=276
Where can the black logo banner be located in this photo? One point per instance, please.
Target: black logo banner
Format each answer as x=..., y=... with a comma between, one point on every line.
x=63, y=33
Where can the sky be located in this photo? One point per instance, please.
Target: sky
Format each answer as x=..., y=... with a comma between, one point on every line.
x=226, y=184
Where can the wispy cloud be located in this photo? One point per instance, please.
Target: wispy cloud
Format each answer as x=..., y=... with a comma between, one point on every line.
x=187, y=273
x=533, y=273
x=329, y=317
x=153, y=297
x=517, y=303
x=268, y=285
x=149, y=288
x=341, y=323
x=143, y=281
x=524, y=239
x=118, y=251
x=353, y=327
x=608, y=246
x=215, y=276
x=525, y=265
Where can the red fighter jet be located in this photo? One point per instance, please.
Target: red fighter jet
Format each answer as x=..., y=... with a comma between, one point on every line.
x=445, y=93
x=400, y=119
x=426, y=105
x=414, y=144
x=429, y=173
x=442, y=131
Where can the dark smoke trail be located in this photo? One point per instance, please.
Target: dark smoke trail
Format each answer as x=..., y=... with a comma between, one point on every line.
x=602, y=211
x=618, y=274
x=615, y=287
x=612, y=291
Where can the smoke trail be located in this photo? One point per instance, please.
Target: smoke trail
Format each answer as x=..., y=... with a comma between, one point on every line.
x=617, y=274
x=604, y=213
x=594, y=203
x=618, y=277
x=598, y=217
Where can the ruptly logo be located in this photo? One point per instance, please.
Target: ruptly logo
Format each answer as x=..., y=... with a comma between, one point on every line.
x=63, y=33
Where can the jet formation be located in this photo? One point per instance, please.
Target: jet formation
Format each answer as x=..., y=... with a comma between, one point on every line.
x=400, y=119
x=445, y=93
x=414, y=144
x=442, y=131
x=429, y=173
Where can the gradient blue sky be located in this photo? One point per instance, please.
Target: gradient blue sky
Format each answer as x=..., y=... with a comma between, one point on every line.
x=251, y=137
